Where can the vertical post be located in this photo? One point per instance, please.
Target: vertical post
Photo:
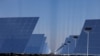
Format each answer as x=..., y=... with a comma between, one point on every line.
x=75, y=39
x=68, y=49
x=88, y=29
x=87, y=43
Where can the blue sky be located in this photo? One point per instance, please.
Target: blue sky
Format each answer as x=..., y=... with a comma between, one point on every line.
x=58, y=18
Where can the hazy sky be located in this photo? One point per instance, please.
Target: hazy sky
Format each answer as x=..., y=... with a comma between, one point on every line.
x=58, y=18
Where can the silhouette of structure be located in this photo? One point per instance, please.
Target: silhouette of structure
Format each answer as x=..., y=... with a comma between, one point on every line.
x=46, y=49
x=37, y=45
x=65, y=49
x=15, y=32
x=93, y=41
